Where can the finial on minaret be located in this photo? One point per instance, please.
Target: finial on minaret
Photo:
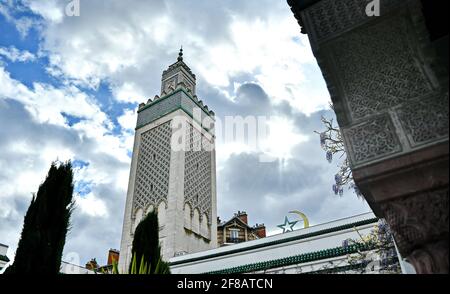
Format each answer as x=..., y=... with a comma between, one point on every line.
x=180, y=55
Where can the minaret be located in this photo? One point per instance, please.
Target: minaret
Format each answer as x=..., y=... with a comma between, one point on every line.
x=179, y=182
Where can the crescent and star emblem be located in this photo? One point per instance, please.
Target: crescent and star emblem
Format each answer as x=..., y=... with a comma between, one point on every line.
x=288, y=226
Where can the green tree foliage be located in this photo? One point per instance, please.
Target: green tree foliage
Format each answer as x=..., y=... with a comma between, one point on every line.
x=146, y=250
x=46, y=224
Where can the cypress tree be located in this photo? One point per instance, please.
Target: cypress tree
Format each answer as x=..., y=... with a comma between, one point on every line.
x=146, y=248
x=46, y=224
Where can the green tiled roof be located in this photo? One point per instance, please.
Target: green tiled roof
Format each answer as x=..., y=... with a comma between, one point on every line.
x=4, y=258
x=297, y=259
x=172, y=107
x=276, y=242
x=202, y=107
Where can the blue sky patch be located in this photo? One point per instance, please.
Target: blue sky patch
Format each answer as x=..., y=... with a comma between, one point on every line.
x=82, y=188
x=71, y=119
x=77, y=163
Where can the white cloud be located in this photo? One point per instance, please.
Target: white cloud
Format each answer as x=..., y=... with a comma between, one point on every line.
x=91, y=205
x=123, y=43
x=129, y=92
x=14, y=54
x=275, y=54
x=282, y=138
x=29, y=146
x=128, y=119
x=50, y=10
x=47, y=103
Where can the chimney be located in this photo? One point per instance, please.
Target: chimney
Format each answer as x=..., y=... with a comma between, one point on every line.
x=113, y=255
x=260, y=230
x=242, y=215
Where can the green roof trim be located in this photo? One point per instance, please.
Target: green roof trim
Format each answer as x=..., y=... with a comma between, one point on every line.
x=173, y=110
x=4, y=258
x=148, y=105
x=171, y=94
x=281, y=241
x=188, y=112
x=297, y=259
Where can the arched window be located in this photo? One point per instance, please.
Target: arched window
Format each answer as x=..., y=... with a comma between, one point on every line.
x=187, y=216
x=196, y=221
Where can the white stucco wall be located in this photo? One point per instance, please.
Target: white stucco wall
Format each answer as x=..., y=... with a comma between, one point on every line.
x=272, y=252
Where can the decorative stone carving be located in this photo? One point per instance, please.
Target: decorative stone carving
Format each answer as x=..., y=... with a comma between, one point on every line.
x=418, y=220
x=425, y=119
x=431, y=258
x=377, y=68
x=197, y=182
x=169, y=85
x=389, y=87
x=152, y=173
x=371, y=140
x=329, y=18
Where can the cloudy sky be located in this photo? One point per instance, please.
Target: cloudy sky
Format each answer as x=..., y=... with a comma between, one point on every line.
x=70, y=85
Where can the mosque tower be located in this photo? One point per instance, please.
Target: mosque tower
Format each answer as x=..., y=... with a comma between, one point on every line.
x=180, y=183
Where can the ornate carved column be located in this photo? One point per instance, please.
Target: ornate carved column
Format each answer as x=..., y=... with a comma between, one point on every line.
x=388, y=79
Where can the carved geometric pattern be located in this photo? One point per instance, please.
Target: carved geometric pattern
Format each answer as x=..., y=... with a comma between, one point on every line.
x=377, y=68
x=425, y=119
x=170, y=84
x=197, y=173
x=152, y=173
x=372, y=139
x=419, y=219
x=331, y=17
